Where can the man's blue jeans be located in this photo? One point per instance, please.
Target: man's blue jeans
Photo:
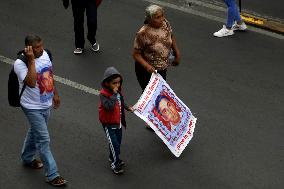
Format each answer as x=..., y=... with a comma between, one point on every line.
x=233, y=13
x=37, y=140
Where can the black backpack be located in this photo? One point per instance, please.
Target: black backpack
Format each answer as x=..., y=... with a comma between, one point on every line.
x=13, y=84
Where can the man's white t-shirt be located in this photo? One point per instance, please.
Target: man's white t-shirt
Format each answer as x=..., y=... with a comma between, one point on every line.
x=41, y=96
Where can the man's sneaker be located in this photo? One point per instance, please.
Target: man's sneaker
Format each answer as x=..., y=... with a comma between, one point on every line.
x=95, y=47
x=78, y=51
x=240, y=27
x=117, y=170
x=223, y=32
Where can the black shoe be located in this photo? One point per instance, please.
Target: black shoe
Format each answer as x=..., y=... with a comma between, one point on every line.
x=121, y=163
x=117, y=170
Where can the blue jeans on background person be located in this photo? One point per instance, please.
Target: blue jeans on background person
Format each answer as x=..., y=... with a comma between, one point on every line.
x=37, y=140
x=233, y=13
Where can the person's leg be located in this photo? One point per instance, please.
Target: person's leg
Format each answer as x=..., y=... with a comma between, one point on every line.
x=142, y=76
x=163, y=73
x=29, y=148
x=113, y=145
x=231, y=4
x=91, y=12
x=238, y=22
x=119, y=138
x=237, y=16
x=227, y=30
x=110, y=157
x=51, y=170
x=78, y=9
x=38, y=121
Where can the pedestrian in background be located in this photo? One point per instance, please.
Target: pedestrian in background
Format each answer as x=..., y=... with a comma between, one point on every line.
x=36, y=101
x=153, y=45
x=234, y=20
x=78, y=8
x=112, y=115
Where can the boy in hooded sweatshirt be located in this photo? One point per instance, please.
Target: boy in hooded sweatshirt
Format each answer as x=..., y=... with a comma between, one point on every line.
x=112, y=115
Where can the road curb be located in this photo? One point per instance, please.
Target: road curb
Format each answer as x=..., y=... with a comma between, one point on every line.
x=271, y=25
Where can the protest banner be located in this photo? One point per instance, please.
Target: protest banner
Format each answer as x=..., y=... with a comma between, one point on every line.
x=166, y=114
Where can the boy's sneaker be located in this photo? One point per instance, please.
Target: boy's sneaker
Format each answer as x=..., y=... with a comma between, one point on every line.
x=78, y=51
x=117, y=170
x=241, y=27
x=109, y=160
x=95, y=47
x=120, y=162
x=223, y=32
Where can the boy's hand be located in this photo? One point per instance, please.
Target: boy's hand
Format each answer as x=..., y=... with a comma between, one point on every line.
x=115, y=90
x=131, y=109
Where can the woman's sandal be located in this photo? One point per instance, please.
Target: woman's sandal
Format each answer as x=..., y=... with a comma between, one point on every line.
x=35, y=164
x=57, y=181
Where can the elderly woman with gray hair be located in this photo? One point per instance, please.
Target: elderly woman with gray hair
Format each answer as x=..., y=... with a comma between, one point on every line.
x=153, y=45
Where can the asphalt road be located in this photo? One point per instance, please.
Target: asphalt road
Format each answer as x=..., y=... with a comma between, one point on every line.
x=234, y=86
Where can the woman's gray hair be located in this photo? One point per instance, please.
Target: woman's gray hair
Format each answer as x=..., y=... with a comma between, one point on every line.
x=151, y=10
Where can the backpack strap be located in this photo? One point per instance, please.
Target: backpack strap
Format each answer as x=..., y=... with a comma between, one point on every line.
x=49, y=54
x=24, y=87
x=22, y=57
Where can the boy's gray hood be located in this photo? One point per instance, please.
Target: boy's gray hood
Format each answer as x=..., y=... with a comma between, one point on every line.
x=109, y=72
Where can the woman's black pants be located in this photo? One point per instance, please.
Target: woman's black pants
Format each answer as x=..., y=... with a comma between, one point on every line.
x=144, y=77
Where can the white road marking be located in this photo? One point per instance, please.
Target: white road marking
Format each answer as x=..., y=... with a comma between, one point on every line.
x=60, y=79
x=212, y=17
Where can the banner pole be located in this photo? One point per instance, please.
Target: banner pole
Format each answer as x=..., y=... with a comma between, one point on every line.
x=240, y=5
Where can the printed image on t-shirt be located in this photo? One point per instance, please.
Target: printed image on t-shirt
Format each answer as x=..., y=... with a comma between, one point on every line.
x=45, y=83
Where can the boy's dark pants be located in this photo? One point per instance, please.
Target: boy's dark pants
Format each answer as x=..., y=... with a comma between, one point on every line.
x=114, y=136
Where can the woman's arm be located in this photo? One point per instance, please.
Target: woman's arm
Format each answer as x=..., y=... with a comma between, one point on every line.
x=138, y=58
x=176, y=51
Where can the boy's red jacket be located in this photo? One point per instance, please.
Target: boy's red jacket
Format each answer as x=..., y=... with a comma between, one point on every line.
x=109, y=110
